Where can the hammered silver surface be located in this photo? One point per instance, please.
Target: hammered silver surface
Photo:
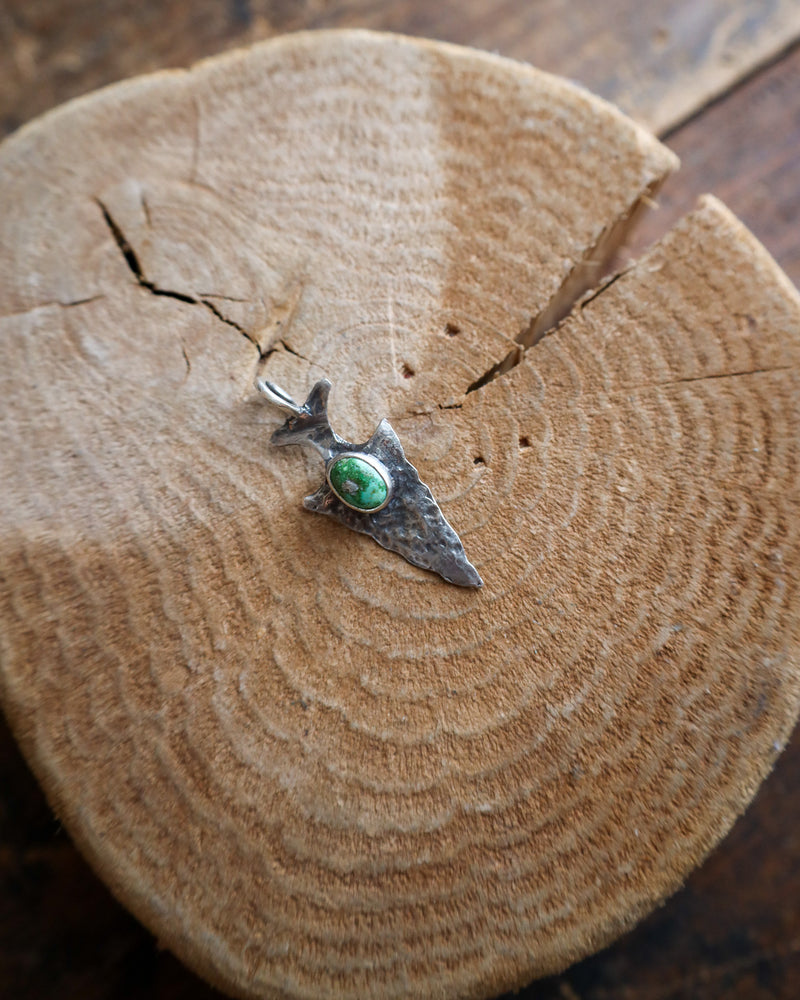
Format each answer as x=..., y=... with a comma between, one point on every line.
x=411, y=523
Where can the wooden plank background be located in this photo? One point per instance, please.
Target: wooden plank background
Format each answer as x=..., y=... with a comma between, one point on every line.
x=719, y=80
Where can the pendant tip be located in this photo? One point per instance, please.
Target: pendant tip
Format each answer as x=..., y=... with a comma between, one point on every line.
x=463, y=574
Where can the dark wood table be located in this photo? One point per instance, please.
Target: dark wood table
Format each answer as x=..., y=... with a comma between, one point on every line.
x=720, y=83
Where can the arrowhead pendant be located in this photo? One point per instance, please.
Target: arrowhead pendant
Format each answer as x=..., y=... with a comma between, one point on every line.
x=373, y=488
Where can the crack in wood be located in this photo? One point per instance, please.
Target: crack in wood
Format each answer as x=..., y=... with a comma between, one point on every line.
x=282, y=345
x=602, y=287
x=582, y=277
x=706, y=378
x=53, y=304
x=571, y=292
x=291, y=350
x=226, y=319
x=134, y=265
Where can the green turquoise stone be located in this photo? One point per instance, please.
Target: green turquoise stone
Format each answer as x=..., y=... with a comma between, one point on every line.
x=358, y=483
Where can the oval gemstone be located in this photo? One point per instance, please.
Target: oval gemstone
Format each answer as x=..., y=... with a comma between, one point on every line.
x=358, y=483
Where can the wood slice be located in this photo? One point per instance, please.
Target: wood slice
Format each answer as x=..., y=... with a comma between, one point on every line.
x=311, y=768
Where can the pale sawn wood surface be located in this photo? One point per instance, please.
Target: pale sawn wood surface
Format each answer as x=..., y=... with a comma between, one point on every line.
x=311, y=769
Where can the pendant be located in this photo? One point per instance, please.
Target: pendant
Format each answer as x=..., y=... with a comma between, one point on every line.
x=373, y=488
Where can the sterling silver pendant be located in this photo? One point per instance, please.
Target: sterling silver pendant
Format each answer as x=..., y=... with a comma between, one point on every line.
x=373, y=488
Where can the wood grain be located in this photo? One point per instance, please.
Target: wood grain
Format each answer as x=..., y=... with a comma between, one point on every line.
x=283, y=765
x=730, y=932
x=659, y=62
